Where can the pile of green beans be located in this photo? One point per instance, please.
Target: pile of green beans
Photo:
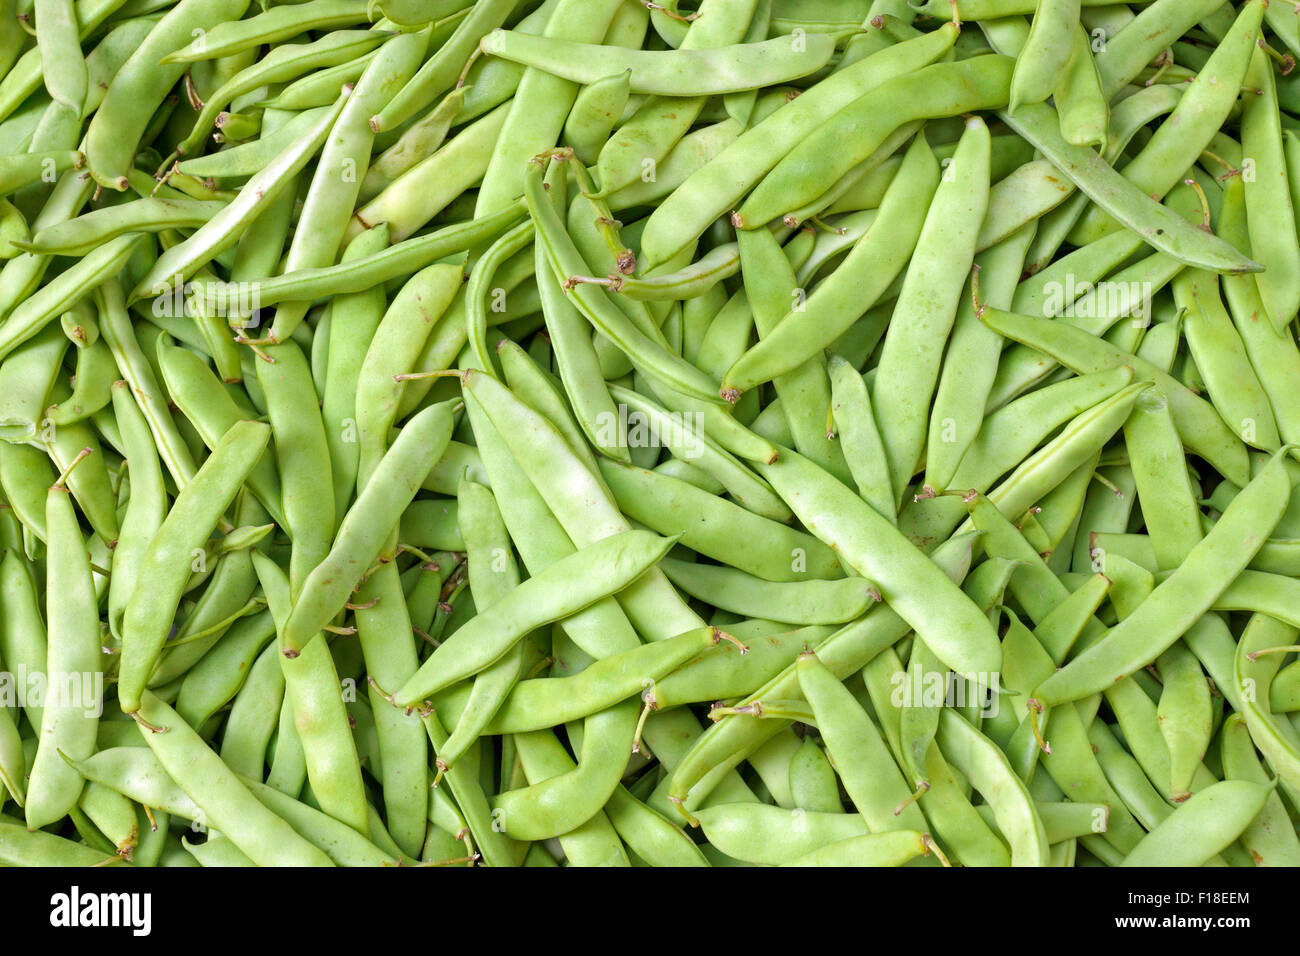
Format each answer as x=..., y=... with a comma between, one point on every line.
x=608, y=433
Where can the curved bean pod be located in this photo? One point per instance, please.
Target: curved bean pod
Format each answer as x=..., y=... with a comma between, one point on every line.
x=950, y=623
x=714, y=71
x=1183, y=597
x=567, y=586
x=367, y=525
x=1201, y=827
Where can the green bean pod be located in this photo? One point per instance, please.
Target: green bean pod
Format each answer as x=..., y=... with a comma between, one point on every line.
x=301, y=457
x=117, y=128
x=367, y=526
x=73, y=670
x=548, y=702
x=770, y=836
x=1201, y=827
x=165, y=565
x=1270, y=838
x=1188, y=593
x=563, y=588
x=311, y=688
